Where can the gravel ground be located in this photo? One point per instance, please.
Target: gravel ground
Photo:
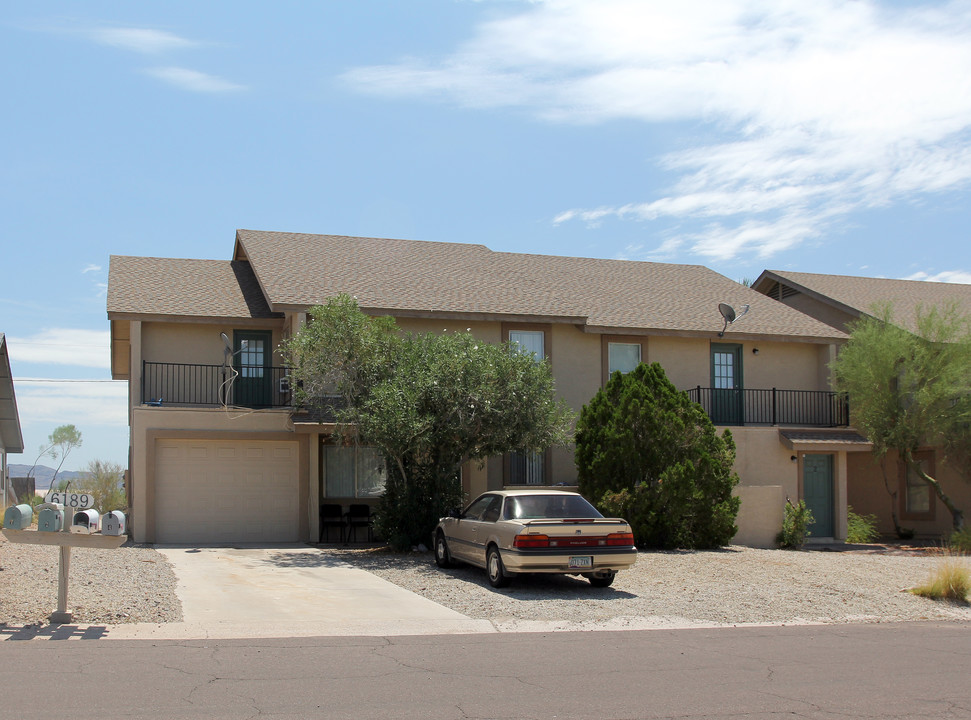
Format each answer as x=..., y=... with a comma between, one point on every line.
x=664, y=589
x=133, y=583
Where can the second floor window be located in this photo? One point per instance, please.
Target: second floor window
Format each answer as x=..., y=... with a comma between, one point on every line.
x=529, y=342
x=623, y=357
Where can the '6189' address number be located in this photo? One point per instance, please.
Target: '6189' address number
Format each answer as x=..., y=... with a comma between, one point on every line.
x=71, y=500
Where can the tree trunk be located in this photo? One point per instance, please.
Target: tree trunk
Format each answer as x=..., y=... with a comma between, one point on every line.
x=893, y=501
x=957, y=515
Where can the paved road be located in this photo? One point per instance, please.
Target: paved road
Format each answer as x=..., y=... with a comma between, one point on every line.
x=862, y=671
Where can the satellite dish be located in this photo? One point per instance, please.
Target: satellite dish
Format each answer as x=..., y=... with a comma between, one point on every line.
x=730, y=316
x=228, y=349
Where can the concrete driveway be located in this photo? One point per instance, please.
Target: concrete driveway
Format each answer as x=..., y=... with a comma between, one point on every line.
x=291, y=591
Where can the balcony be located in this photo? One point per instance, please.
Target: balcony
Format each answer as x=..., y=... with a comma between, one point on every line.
x=183, y=384
x=801, y=408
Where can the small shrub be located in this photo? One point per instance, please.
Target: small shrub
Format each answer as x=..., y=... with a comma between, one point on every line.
x=961, y=541
x=860, y=528
x=950, y=580
x=795, y=525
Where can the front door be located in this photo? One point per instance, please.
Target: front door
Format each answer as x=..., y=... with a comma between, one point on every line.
x=817, y=487
x=252, y=351
x=726, y=382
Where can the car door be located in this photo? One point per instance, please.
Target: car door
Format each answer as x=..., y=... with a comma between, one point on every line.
x=483, y=528
x=463, y=530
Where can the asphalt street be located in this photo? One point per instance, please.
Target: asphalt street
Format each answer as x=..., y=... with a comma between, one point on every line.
x=860, y=671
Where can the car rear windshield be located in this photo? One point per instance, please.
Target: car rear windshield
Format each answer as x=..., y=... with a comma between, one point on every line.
x=554, y=505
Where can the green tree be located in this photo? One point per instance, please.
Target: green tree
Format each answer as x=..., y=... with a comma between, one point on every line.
x=429, y=402
x=105, y=481
x=646, y=452
x=59, y=444
x=911, y=389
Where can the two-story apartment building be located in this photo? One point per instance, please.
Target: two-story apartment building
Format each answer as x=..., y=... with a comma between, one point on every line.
x=218, y=456
x=885, y=486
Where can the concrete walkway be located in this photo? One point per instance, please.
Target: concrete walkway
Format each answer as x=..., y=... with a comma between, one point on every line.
x=290, y=591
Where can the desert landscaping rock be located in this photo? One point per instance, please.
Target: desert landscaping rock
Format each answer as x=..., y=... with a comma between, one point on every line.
x=664, y=589
x=132, y=584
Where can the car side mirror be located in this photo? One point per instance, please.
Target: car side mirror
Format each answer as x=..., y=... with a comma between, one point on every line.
x=455, y=513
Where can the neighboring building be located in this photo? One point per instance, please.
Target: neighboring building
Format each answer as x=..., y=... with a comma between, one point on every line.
x=11, y=438
x=877, y=487
x=216, y=455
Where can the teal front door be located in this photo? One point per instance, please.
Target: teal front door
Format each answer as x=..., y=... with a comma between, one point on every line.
x=727, y=395
x=817, y=486
x=252, y=352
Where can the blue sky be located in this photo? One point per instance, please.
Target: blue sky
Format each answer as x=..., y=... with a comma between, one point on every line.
x=828, y=137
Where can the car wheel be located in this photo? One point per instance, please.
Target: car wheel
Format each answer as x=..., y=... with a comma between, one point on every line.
x=443, y=558
x=497, y=578
x=602, y=580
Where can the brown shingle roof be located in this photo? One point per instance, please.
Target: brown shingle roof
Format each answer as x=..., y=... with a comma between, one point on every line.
x=189, y=288
x=860, y=294
x=406, y=276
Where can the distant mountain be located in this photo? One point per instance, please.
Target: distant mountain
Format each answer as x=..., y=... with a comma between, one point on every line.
x=43, y=474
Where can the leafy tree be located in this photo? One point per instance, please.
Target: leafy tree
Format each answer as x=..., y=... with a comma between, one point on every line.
x=60, y=443
x=646, y=452
x=105, y=482
x=911, y=389
x=429, y=402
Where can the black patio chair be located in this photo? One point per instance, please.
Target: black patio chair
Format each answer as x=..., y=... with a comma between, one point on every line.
x=331, y=515
x=359, y=515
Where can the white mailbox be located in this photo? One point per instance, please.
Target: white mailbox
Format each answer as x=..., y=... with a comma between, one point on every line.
x=85, y=522
x=113, y=523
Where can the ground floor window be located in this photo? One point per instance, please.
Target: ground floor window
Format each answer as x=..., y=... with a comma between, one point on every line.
x=352, y=471
x=917, y=498
x=527, y=468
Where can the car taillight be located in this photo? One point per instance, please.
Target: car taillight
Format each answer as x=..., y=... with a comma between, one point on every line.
x=620, y=539
x=531, y=541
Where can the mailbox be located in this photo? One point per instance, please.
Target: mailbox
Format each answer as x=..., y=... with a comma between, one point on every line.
x=18, y=517
x=85, y=521
x=50, y=518
x=113, y=523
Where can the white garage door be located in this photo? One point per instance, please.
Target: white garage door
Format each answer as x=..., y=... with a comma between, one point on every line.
x=216, y=492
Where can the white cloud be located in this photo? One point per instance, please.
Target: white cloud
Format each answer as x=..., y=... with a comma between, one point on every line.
x=82, y=402
x=823, y=108
x=143, y=40
x=193, y=80
x=947, y=276
x=62, y=346
x=91, y=267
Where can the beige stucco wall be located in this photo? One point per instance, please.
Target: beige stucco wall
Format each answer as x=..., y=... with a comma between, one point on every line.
x=195, y=343
x=759, y=515
x=868, y=494
x=149, y=423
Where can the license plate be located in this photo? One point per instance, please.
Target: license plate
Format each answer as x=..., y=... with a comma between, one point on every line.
x=581, y=561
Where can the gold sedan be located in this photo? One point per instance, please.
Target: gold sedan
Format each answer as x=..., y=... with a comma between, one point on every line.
x=509, y=532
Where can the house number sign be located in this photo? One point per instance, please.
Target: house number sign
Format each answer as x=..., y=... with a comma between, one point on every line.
x=81, y=501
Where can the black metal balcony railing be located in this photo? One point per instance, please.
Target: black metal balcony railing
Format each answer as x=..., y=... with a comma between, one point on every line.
x=214, y=385
x=807, y=408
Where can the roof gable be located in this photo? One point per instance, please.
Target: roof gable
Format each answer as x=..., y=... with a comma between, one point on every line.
x=859, y=295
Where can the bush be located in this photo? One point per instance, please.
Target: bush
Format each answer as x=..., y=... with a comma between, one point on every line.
x=106, y=483
x=860, y=528
x=795, y=525
x=409, y=510
x=646, y=453
x=950, y=580
x=960, y=541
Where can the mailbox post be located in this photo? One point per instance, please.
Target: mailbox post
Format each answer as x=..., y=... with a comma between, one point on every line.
x=65, y=539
